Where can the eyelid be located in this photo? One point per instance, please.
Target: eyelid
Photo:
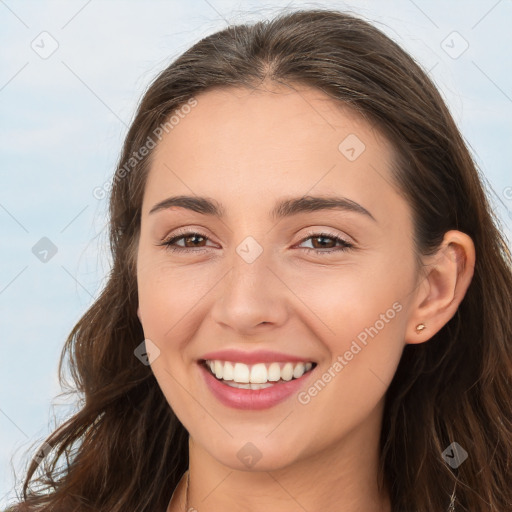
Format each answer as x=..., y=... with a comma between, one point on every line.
x=191, y=230
x=316, y=232
x=186, y=232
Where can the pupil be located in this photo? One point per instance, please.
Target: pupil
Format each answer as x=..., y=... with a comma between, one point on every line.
x=323, y=238
x=193, y=237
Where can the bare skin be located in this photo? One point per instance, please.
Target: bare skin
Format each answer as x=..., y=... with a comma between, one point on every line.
x=248, y=150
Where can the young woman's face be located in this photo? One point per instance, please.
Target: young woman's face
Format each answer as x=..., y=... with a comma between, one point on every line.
x=274, y=282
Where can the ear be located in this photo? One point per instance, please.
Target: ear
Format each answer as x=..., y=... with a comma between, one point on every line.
x=438, y=295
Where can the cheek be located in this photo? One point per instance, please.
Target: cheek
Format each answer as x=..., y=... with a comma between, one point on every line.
x=169, y=300
x=359, y=316
x=361, y=323
x=345, y=300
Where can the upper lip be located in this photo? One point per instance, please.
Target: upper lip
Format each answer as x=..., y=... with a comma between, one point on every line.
x=256, y=356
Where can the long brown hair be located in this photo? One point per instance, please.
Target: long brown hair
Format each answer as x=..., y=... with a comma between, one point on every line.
x=126, y=450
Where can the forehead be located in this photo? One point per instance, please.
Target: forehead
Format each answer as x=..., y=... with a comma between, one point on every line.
x=266, y=121
x=238, y=143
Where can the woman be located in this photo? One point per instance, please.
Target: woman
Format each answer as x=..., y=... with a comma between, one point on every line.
x=310, y=302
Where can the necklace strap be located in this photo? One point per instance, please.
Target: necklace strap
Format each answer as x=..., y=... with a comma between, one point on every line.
x=186, y=491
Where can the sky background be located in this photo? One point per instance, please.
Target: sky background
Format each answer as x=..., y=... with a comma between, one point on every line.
x=71, y=74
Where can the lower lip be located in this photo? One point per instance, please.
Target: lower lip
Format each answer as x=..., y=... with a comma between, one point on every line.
x=254, y=399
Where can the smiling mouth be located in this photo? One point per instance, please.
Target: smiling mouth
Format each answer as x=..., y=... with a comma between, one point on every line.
x=256, y=376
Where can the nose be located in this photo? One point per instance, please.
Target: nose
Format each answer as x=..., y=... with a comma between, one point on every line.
x=250, y=298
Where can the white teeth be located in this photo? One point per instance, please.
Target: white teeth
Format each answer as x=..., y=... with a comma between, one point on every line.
x=274, y=372
x=238, y=385
x=257, y=376
x=241, y=373
x=228, y=373
x=218, y=369
x=261, y=386
x=287, y=372
x=298, y=371
x=249, y=386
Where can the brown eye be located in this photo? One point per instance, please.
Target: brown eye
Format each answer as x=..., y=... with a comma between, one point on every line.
x=192, y=240
x=322, y=242
x=326, y=241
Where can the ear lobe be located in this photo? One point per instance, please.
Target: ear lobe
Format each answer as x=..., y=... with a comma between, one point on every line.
x=449, y=274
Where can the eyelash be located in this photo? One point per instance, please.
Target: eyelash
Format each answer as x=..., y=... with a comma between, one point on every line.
x=345, y=245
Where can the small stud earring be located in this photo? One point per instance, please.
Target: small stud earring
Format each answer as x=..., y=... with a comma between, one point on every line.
x=420, y=327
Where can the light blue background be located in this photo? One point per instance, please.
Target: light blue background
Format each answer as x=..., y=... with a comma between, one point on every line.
x=62, y=124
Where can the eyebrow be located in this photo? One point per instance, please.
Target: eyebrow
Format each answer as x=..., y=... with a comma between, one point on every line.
x=285, y=208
